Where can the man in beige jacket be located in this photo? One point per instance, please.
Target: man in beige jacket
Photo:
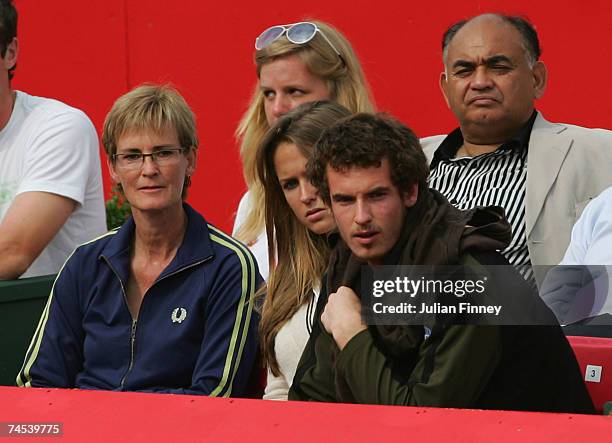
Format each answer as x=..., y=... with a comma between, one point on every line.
x=504, y=152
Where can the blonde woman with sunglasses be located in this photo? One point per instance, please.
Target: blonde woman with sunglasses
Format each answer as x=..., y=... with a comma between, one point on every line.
x=296, y=63
x=297, y=222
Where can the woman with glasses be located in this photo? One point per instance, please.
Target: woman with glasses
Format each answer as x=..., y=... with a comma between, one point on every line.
x=297, y=222
x=296, y=63
x=164, y=303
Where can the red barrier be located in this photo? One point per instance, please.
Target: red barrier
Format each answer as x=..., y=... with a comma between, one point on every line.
x=112, y=416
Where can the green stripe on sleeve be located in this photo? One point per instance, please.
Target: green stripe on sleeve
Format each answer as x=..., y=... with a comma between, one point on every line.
x=248, y=268
x=23, y=377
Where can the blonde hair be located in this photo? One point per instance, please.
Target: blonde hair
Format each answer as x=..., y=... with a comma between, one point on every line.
x=301, y=254
x=347, y=86
x=150, y=107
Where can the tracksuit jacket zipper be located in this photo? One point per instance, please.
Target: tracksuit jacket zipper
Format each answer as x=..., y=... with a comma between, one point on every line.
x=135, y=320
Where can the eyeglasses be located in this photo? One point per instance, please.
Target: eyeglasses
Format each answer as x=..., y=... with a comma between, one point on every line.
x=135, y=160
x=297, y=33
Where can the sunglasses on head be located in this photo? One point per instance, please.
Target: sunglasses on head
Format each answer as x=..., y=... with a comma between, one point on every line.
x=297, y=33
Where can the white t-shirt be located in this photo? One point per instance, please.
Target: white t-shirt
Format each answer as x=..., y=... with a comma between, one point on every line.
x=591, y=242
x=591, y=245
x=581, y=286
x=51, y=147
x=260, y=247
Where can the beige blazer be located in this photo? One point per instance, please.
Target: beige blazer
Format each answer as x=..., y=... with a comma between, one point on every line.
x=567, y=166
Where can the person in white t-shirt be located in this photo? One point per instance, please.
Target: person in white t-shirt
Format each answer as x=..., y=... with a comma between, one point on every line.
x=51, y=196
x=296, y=63
x=591, y=242
x=579, y=290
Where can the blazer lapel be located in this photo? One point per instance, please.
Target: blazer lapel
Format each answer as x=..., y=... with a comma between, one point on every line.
x=548, y=147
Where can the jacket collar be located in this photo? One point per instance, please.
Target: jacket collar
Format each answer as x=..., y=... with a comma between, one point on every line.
x=434, y=233
x=195, y=248
x=453, y=141
x=548, y=147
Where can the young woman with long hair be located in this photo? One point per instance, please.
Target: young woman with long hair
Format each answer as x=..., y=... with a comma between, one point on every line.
x=297, y=222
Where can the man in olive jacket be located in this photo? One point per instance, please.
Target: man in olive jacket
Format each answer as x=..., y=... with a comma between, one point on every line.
x=372, y=172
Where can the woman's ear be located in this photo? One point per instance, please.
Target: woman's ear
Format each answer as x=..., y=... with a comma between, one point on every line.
x=111, y=169
x=192, y=159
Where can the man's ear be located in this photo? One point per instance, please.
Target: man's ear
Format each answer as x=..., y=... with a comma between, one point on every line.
x=410, y=197
x=444, y=85
x=540, y=79
x=10, y=56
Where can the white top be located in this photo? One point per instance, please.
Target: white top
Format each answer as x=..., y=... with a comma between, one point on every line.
x=51, y=147
x=591, y=241
x=288, y=346
x=591, y=244
x=260, y=247
x=579, y=288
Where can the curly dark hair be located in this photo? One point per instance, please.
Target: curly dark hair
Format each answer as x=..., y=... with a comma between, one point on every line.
x=364, y=140
x=8, y=28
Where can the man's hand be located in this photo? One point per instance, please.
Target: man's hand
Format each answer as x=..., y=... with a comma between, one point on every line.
x=29, y=225
x=342, y=316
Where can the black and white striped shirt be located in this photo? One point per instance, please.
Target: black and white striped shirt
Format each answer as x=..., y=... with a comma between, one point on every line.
x=496, y=178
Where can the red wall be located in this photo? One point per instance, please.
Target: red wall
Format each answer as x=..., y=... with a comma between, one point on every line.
x=89, y=53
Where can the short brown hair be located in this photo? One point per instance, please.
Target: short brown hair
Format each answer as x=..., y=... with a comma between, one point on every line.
x=149, y=107
x=364, y=140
